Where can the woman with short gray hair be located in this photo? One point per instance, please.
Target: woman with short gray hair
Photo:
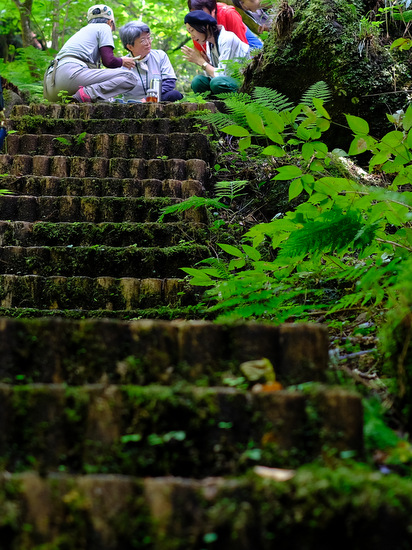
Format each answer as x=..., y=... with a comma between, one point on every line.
x=148, y=64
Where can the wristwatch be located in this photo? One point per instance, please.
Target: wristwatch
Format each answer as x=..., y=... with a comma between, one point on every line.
x=204, y=64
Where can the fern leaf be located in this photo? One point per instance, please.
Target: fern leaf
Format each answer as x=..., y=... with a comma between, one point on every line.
x=230, y=189
x=191, y=202
x=271, y=99
x=320, y=90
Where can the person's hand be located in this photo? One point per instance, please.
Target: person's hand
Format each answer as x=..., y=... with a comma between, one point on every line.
x=192, y=55
x=128, y=62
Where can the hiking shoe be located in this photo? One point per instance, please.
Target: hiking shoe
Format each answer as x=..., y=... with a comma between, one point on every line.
x=81, y=96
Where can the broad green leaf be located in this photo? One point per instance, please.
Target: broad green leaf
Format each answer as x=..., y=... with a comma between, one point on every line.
x=357, y=125
x=236, y=131
x=244, y=143
x=379, y=158
x=303, y=133
x=232, y=250
x=401, y=43
x=307, y=150
x=236, y=264
x=274, y=121
x=316, y=166
x=407, y=119
x=251, y=252
x=322, y=124
x=295, y=188
x=255, y=122
x=273, y=135
x=393, y=139
x=409, y=138
x=274, y=151
x=318, y=103
x=320, y=148
x=358, y=145
x=288, y=172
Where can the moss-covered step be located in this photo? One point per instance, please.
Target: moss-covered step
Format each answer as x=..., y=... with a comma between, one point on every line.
x=101, y=167
x=21, y=233
x=108, y=293
x=37, y=124
x=164, y=312
x=111, y=110
x=179, y=430
x=176, y=145
x=101, y=260
x=317, y=508
x=101, y=187
x=91, y=209
x=146, y=351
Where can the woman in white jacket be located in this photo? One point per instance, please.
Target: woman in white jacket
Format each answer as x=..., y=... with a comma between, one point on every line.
x=221, y=46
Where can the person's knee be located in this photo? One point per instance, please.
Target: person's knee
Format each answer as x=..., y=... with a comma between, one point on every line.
x=173, y=95
x=223, y=84
x=200, y=84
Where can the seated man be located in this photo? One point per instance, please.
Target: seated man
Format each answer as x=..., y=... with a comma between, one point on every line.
x=149, y=64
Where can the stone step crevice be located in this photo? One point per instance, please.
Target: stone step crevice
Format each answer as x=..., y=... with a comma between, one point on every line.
x=96, y=167
x=146, y=146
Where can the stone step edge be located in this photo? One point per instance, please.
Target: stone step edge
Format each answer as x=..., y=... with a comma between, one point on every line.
x=187, y=514
x=298, y=352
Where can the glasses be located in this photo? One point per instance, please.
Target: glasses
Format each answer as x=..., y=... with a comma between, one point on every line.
x=145, y=40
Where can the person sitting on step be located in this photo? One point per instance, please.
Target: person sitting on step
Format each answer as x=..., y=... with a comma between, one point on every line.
x=148, y=64
x=257, y=11
x=75, y=68
x=221, y=46
x=228, y=17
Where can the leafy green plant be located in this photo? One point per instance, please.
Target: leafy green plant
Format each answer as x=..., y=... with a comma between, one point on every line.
x=338, y=237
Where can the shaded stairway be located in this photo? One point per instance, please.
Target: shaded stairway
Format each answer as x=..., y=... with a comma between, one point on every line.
x=80, y=236
x=121, y=434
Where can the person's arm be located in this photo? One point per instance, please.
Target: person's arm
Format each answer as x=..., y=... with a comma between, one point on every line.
x=168, y=84
x=112, y=62
x=193, y=56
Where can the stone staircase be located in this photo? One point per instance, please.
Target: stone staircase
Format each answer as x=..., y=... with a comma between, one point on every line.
x=124, y=424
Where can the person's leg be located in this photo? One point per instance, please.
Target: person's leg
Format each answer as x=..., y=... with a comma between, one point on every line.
x=223, y=84
x=99, y=84
x=200, y=84
x=173, y=95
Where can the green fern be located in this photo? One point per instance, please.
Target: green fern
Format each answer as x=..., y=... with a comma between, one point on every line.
x=319, y=90
x=272, y=99
x=191, y=202
x=230, y=189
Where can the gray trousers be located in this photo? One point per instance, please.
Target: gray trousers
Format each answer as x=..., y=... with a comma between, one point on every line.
x=100, y=84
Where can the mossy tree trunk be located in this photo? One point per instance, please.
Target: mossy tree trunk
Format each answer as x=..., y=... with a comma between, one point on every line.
x=326, y=41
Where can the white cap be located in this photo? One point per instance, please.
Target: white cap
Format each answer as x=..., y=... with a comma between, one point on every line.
x=100, y=10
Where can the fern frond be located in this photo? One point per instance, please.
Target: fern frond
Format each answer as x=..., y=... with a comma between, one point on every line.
x=319, y=90
x=334, y=231
x=272, y=99
x=230, y=189
x=220, y=120
x=191, y=202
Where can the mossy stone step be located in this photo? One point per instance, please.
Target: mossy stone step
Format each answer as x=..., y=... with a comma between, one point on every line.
x=145, y=234
x=100, y=260
x=145, y=351
x=30, y=124
x=91, y=209
x=176, y=145
x=108, y=293
x=101, y=167
x=102, y=187
x=179, y=430
x=318, y=508
x=111, y=110
x=166, y=313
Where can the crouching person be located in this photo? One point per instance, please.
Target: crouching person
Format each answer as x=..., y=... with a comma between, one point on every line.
x=221, y=46
x=148, y=64
x=75, y=68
